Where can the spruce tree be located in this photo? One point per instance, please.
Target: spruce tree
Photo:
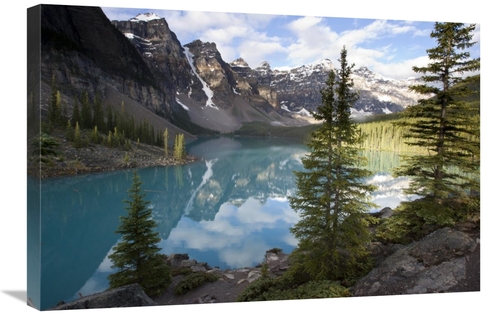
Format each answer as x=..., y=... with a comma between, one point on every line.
x=70, y=133
x=52, y=100
x=136, y=257
x=331, y=198
x=77, y=138
x=110, y=123
x=98, y=113
x=447, y=127
x=75, y=116
x=165, y=142
x=86, y=112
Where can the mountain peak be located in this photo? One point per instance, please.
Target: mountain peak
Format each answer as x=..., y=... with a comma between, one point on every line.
x=326, y=63
x=240, y=62
x=146, y=17
x=265, y=65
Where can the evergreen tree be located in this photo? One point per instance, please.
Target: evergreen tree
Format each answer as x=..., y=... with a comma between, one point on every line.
x=70, y=133
x=86, y=112
x=331, y=198
x=137, y=256
x=95, y=137
x=54, y=110
x=77, y=138
x=52, y=107
x=165, y=142
x=98, y=116
x=441, y=124
x=110, y=123
x=179, y=147
x=75, y=116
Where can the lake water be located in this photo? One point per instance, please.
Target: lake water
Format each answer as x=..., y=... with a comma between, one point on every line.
x=226, y=209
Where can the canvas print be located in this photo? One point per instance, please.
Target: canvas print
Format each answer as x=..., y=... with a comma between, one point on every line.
x=186, y=157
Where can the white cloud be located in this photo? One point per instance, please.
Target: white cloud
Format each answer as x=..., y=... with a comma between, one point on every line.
x=313, y=39
x=391, y=46
x=255, y=52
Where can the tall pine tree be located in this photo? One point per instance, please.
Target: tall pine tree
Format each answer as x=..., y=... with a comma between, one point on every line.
x=86, y=112
x=137, y=256
x=165, y=142
x=447, y=126
x=331, y=198
x=98, y=113
x=75, y=116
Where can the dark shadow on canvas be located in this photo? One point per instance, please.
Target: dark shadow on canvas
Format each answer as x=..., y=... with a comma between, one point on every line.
x=20, y=295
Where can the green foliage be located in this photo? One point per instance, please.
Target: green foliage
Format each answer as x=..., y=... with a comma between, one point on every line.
x=70, y=133
x=413, y=220
x=128, y=145
x=257, y=290
x=193, y=281
x=75, y=116
x=267, y=289
x=264, y=270
x=95, y=136
x=136, y=257
x=121, y=124
x=55, y=117
x=262, y=129
x=86, y=112
x=179, y=147
x=126, y=158
x=182, y=271
x=98, y=113
x=165, y=142
x=446, y=126
x=47, y=145
x=331, y=198
x=78, y=142
x=387, y=135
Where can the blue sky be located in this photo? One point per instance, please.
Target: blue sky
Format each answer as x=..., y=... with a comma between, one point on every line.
x=387, y=46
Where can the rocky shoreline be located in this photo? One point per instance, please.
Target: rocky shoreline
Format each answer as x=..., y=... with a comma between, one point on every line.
x=445, y=261
x=68, y=160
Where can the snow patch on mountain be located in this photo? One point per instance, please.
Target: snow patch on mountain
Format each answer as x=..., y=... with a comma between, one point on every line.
x=302, y=73
x=302, y=112
x=180, y=103
x=146, y=17
x=208, y=92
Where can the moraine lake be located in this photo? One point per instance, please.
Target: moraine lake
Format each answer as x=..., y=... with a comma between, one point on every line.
x=226, y=209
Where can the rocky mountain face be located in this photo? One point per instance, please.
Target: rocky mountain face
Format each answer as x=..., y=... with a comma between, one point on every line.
x=380, y=95
x=298, y=89
x=142, y=60
x=85, y=52
x=161, y=50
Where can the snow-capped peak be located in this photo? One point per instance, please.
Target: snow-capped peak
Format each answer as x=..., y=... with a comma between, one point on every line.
x=325, y=63
x=145, y=17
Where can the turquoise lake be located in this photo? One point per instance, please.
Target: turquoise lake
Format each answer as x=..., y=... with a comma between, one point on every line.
x=226, y=209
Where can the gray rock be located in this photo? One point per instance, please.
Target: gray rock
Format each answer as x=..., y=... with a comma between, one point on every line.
x=126, y=296
x=443, y=245
x=176, y=259
x=188, y=263
x=437, y=263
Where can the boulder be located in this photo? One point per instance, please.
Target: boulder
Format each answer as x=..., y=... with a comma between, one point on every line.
x=126, y=296
x=277, y=262
x=437, y=263
x=175, y=259
x=384, y=213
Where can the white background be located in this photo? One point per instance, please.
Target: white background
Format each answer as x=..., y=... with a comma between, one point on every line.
x=13, y=154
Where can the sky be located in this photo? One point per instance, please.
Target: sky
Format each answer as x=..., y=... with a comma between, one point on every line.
x=390, y=47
